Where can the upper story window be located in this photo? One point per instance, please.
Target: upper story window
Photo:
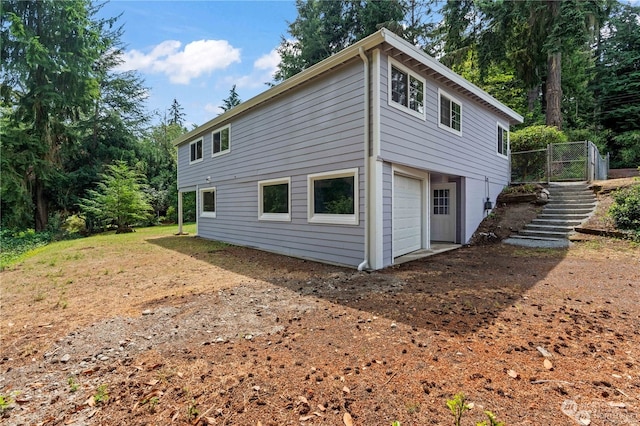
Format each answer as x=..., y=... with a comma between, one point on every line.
x=334, y=197
x=195, y=150
x=450, y=113
x=503, y=141
x=275, y=199
x=406, y=90
x=208, y=202
x=220, y=141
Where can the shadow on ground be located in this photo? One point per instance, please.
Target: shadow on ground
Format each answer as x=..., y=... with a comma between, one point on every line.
x=458, y=291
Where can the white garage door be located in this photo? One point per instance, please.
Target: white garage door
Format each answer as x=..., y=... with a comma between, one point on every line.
x=407, y=215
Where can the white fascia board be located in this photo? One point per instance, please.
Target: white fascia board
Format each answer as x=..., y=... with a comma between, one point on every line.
x=417, y=54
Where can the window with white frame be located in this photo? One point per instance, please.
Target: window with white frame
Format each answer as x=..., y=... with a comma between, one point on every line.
x=195, y=151
x=450, y=112
x=503, y=141
x=220, y=141
x=406, y=90
x=334, y=197
x=274, y=199
x=208, y=200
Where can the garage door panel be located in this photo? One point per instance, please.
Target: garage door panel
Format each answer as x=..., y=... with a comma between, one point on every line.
x=407, y=215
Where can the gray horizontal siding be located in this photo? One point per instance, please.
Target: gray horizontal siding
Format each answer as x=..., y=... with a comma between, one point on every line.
x=316, y=128
x=408, y=140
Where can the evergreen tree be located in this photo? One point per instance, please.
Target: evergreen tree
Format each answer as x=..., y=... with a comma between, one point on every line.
x=119, y=199
x=323, y=28
x=533, y=36
x=617, y=84
x=232, y=101
x=176, y=116
x=50, y=78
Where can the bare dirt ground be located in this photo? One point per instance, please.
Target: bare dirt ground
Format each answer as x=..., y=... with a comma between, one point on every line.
x=176, y=330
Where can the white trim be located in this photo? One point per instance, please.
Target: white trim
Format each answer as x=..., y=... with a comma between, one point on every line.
x=375, y=103
x=198, y=160
x=281, y=217
x=392, y=63
x=334, y=219
x=376, y=173
x=455, y=100
x=219, y=130
x=201, y=211
x=377, y=213
x=499, y=127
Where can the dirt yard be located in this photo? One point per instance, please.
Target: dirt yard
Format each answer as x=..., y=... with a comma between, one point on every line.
x=163, y=329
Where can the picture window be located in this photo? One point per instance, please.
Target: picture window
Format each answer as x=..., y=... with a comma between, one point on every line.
x=334, y=197
x=275, y=199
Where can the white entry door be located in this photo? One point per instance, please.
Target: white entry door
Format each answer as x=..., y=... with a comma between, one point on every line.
x=407, y=215
x=443, y=212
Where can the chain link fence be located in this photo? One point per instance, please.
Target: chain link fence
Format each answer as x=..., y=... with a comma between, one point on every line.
x=573, y=161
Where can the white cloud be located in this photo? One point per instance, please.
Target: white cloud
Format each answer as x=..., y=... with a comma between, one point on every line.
x=268, y=62
x=213, y=109
x=264, y=68
x=197, y=58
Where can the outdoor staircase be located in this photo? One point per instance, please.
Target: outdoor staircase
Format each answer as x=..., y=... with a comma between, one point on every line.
x=570, y=204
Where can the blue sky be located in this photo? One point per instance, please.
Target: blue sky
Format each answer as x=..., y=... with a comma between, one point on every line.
x=195, y=51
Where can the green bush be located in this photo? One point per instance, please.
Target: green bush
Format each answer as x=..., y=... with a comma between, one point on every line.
x=626, y=209
x=536, y=137
x=75, y=225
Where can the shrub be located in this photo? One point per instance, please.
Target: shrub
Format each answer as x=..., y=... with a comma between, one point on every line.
x=75, y=225
x=626, y=208
x=536, y=137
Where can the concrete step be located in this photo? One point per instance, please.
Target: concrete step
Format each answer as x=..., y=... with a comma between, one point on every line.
x=557, y=190
x=572, y=199
x=563, y=192
x=563, y=216
x=531, y=237
x=556, y=222
x=567, y=210
x=569, y=206
x=543, y=234
x=548, y=228
x=573, y=196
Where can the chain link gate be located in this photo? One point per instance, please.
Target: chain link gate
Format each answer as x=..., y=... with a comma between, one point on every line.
x=572, y=161
x=568, y=161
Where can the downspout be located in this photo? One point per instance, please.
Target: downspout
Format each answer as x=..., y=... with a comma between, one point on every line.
x=365, y=262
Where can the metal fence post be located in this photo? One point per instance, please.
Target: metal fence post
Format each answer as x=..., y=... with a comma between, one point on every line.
x=549, y=157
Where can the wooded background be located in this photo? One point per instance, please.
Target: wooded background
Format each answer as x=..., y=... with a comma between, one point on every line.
x=67, y=116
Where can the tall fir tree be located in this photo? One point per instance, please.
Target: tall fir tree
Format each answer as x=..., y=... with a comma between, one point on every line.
x=57, y=89
x=176, y=114
x=617, y=85
x=323, y=28
x=232, y=101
